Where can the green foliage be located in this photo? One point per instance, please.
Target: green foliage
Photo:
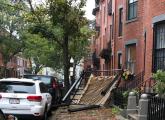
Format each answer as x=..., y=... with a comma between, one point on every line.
x=115, y=110
x=11, y=26
x=126, y=93
x=11, y=16
x=38, y=49
x=159, y=76
x=51, y=33
x=79, y=47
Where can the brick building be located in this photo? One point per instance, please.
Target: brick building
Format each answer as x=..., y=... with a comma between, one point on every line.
x=131, y=35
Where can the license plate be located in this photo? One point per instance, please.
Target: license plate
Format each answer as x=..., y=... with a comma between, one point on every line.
x=14, y=101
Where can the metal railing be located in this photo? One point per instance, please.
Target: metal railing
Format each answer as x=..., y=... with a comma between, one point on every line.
x=82, y=81
x=72, y=88
x=120, y=93
x=136, y=81
x=156, y=109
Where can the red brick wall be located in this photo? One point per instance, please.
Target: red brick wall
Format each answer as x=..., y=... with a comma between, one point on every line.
x=153, y=8
x=132, y=30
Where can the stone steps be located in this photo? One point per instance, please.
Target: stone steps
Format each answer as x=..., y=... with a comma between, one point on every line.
x=133, y=116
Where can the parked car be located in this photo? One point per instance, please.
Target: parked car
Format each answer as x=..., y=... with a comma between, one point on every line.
x=2, y=116
x=51, y=83
x=24, y=97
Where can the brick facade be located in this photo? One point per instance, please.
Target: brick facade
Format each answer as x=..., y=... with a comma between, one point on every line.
x=135, y=45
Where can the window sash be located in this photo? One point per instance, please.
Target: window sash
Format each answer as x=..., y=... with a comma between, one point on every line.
x=120, y=21
x=132, y=10
x=159, y=48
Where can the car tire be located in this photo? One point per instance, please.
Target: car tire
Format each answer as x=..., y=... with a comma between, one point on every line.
x=2, y=116
x=45, y=116
x=49, y=112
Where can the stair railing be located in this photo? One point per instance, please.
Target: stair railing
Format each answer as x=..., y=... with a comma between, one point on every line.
x=78, y=81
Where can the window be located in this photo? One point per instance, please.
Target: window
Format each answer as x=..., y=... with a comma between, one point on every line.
x=17, y=87
x=104, y=14
x=110, y=35
x=112, y=25
x=110, y=7
x=159, y=47
x=132, y=9
x=119, y=61
x=43, y=88
x=120, y=21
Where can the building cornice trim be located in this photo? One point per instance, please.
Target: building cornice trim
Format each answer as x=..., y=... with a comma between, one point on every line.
x=132, y=41
x=157, y=19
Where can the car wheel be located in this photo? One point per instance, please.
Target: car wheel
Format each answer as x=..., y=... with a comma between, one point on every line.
x=2, y=117
x=45, y=117
x=49, y=112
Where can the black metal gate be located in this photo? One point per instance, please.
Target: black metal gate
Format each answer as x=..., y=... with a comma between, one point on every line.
x=156, y=109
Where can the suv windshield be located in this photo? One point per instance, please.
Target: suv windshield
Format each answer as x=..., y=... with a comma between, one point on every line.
x=44, y=79
x=17, y=87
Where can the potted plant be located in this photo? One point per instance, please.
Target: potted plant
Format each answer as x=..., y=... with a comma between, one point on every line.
x=127, y=75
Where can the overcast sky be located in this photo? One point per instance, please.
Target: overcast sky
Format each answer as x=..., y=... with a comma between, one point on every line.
x=89, y=7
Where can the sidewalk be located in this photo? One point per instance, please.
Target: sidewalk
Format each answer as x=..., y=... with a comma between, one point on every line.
x=94, y=114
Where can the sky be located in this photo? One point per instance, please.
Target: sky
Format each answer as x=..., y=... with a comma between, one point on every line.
x=89, y=7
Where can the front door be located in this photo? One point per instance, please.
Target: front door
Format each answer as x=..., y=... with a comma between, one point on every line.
x=131, y=57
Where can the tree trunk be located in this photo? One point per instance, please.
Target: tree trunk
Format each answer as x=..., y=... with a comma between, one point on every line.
x=37, y=69
x=5, y=70
x=66, y=64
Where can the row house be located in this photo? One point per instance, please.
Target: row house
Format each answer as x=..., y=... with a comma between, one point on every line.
x=130, y=35
x=11, y=68
x=23, y=66
x=16, y=67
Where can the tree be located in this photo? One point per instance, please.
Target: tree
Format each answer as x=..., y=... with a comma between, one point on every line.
x=68, y=15
x=79, y=48
x=37, y=49
x=62, y=25
x=11, y=24
x=9, y=47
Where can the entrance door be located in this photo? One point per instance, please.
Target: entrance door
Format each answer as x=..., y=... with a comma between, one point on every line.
x=119, y=60
x=131, y=57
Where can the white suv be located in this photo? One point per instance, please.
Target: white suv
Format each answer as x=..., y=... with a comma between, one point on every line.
x=24, y=98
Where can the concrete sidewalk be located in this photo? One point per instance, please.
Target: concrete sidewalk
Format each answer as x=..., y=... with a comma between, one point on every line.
x=94, y=114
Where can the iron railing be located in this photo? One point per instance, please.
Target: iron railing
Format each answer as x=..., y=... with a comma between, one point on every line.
x=74, y=88
x=156, y=109
x=82, y=81
x=120, y=94
x=136, y=81
x=119, y=98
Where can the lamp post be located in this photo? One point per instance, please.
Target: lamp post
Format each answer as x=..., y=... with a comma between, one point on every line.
x=71, y=70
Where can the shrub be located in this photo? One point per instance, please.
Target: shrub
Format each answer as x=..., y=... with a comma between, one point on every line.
x=159, y=76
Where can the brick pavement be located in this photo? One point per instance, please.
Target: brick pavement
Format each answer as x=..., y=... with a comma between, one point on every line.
x=94, y=114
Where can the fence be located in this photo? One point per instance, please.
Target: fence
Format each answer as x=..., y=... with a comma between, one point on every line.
x=120, y=99
x=120, y=94
x=136, y=82
x=156, y=109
